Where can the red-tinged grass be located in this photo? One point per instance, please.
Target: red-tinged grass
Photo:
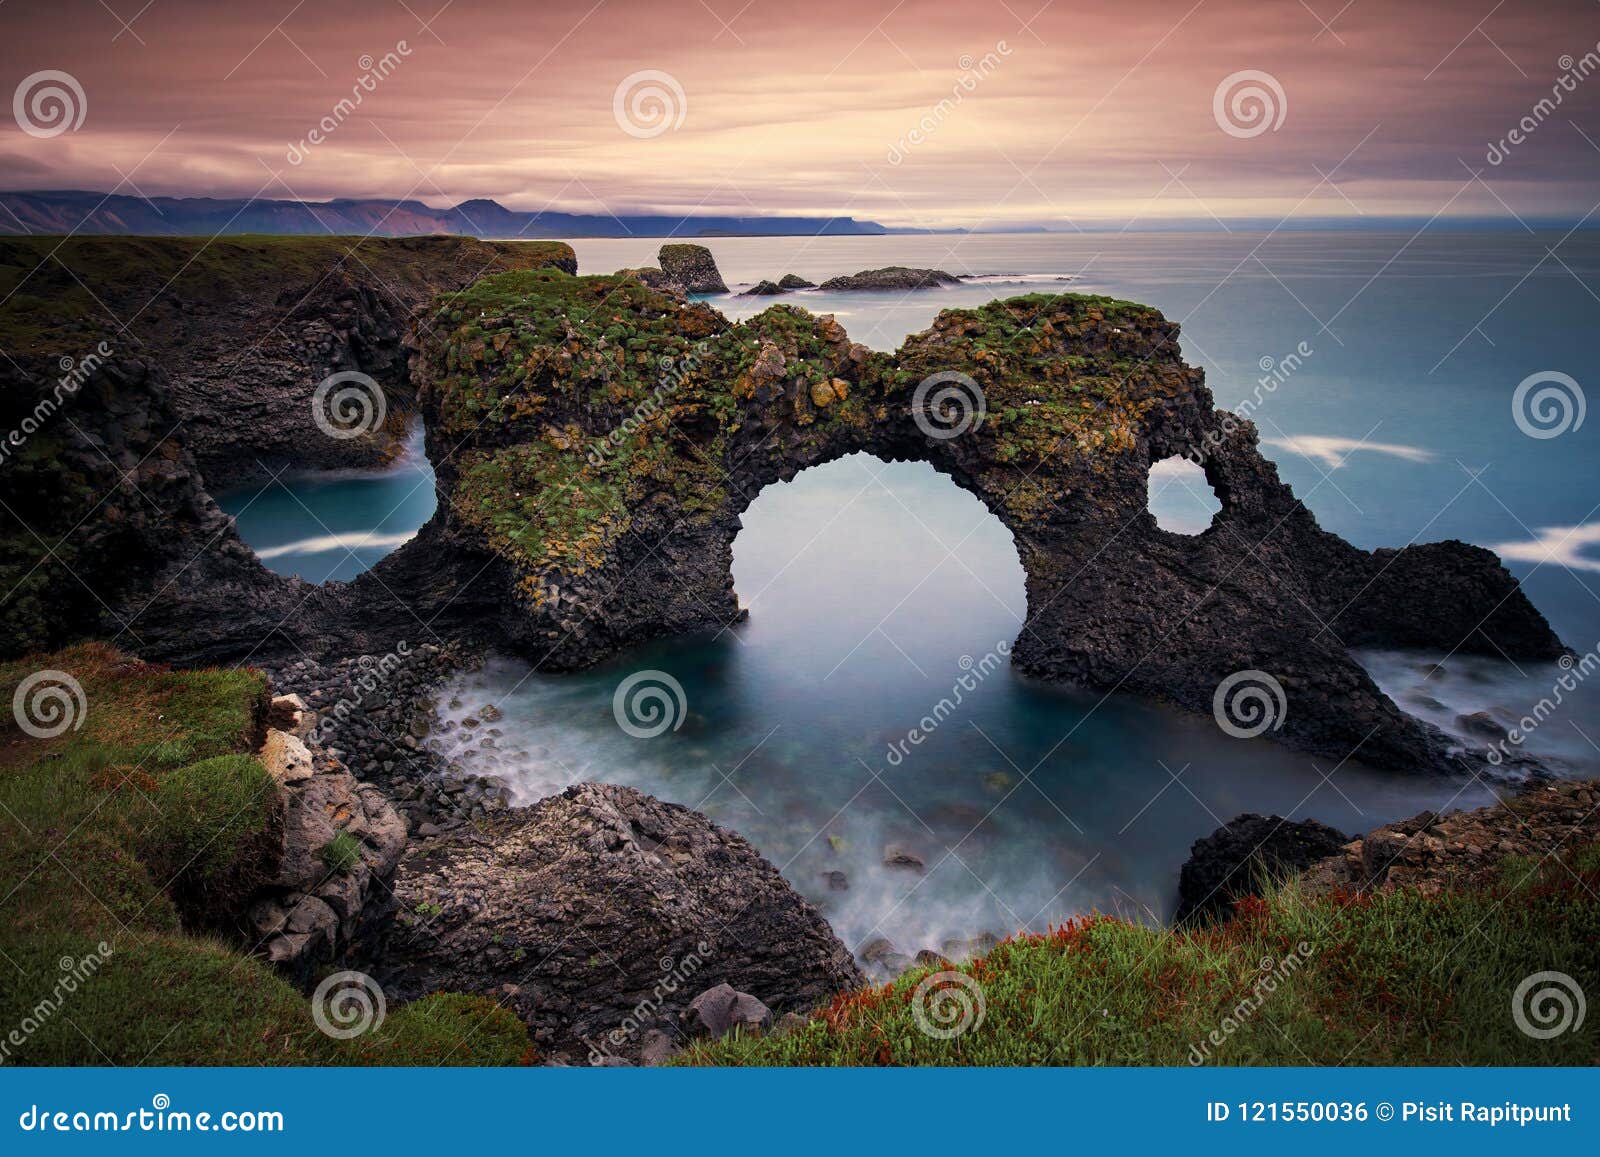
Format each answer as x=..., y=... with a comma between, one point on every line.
x=1398, y=978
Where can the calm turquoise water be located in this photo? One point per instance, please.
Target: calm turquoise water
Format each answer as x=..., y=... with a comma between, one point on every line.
x=335, y=525
x=874, y=589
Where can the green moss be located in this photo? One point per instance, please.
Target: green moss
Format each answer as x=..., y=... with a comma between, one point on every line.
x=51, y=284
x=152, y=808
x=342, y=853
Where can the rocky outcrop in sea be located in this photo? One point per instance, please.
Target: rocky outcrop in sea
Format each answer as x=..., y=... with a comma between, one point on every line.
x=692, y=267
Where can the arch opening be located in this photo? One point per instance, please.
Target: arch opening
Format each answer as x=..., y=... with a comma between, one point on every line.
x=867, y=569
x=1180, y=497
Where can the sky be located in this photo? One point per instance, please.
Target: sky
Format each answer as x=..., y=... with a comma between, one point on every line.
x=972, y=113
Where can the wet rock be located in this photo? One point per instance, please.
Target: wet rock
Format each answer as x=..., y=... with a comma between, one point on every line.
x=1481, y=724
x=764, y=289
x=895, y=856
x=1232, y=862
x=793, y=281
x=891, y=277
x=837, y=881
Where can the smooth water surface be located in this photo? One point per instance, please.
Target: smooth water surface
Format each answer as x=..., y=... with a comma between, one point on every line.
x=875, y=590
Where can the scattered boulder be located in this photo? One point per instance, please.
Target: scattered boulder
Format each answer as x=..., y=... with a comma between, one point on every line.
x=837, y=880
x=693, y=267
x=607, y=910
x=657, y=1047
x=1428, y=851
x=1230, y=863
x=341, y=841
x=764, y=289
x=891, y=277
x=718, y=1011
x=791, y=281
x=894, y=856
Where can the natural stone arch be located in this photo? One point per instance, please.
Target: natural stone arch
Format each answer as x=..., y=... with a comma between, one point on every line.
x=595, y=541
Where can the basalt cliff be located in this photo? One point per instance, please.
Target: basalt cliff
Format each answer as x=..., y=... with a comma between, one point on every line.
x=596, y=440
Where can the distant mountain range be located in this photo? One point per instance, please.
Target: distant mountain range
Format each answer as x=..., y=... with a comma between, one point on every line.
x=76, y=211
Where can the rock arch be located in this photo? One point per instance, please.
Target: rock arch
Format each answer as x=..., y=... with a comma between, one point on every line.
x=596, y=442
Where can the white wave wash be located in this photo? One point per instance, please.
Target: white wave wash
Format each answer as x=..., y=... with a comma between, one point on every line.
x=1335, y=451
x=324, y=543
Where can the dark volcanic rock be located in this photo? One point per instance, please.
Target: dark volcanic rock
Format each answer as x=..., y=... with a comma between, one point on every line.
x=794, y=281
x=599, y=913
x=245, y=329
x=1231, y=862
x=659, y=279
x=693, y=267
x=892, y=277
x=763, y=289
x=1429, y=851
x=1076, y=395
